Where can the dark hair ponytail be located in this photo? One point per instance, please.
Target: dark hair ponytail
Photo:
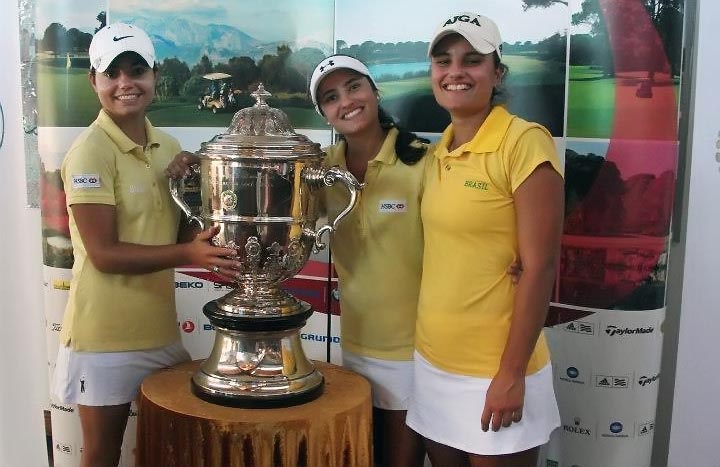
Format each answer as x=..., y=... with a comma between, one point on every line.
x=407, y=146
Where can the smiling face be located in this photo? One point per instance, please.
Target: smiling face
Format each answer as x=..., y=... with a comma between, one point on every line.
x=126, y=88
x=462, y=78
x=348, y=101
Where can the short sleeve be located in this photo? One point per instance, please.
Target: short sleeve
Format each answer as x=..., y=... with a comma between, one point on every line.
x=534, y=146
x=89, y=175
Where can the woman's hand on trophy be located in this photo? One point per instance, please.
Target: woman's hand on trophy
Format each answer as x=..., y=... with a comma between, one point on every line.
x=180, y=165
x=214, y=258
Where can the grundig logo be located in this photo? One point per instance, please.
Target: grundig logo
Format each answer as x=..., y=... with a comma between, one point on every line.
x=616, y=331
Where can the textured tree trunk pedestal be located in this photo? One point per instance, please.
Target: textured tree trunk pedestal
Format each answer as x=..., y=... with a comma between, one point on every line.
x=177, y=429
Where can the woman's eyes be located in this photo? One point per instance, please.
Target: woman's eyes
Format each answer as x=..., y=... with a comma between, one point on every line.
x=135, y=72
x=467, y=61
x=329, y=98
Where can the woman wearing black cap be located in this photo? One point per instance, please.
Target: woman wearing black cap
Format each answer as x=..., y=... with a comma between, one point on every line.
x=483, y=393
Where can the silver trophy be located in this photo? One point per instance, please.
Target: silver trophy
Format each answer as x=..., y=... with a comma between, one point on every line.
x=259, y=183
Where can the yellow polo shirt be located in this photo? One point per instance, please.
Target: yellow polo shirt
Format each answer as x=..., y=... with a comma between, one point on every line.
x=467, y=297
x=116, y=312
x=377, y=251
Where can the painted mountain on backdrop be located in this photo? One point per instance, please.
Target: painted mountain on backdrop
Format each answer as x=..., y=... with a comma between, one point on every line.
x=189, y=41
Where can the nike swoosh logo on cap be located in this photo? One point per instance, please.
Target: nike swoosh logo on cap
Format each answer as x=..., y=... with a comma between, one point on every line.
x=115, y=38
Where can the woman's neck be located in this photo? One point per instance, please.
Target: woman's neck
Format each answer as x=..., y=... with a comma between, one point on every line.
x=466, y=127
x=134, y=128
x=362, y=148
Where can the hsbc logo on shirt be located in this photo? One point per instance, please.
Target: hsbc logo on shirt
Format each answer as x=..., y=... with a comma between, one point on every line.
x=392, y=206
x=86, y=181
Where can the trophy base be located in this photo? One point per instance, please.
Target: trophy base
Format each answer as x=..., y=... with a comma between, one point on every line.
x=257, y=361
x=249, y=399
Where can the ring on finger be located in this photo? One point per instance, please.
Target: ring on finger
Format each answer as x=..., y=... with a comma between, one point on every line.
x=215, y=269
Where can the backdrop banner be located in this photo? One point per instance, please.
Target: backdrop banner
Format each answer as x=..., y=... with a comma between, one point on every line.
x=601, y=75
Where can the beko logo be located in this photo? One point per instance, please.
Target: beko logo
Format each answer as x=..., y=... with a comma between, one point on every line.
x=616, y=331
x=189, y=285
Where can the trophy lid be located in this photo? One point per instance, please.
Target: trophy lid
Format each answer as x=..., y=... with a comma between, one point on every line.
x=259, y=132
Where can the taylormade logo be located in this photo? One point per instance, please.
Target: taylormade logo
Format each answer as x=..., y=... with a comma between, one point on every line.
x=645, y=380
x=616, y=331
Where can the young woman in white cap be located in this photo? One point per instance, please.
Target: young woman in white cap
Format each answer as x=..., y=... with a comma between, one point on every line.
x=120, y=323
x=483, y=393
x=377, y=249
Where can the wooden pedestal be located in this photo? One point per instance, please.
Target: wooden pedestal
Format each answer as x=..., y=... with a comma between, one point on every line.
x=177, y=429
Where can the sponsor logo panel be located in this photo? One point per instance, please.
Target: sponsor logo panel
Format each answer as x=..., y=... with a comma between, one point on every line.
x=612, y=382
x=581, y=327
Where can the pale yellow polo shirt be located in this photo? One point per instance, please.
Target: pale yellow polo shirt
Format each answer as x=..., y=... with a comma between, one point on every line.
x=377, y=251
x=115, y=312
x=468, y=213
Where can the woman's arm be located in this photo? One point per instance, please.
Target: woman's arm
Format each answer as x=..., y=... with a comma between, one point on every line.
x=539, y=211
x=98, y=230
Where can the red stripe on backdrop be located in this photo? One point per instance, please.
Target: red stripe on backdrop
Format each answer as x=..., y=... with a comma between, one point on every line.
x=614, y=239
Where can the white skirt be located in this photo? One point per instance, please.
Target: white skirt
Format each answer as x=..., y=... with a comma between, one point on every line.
x=109, y=378
x=447, y=409
x=391, y=381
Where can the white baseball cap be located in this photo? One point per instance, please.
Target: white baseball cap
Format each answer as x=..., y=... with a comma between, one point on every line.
x=116, y=38
x=480, y=31
x=334, y=63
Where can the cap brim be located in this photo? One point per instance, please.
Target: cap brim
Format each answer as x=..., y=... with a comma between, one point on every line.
x=107, y=59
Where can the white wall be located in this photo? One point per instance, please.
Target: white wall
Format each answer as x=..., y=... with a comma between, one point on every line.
x=694, y=432
x=23, y=370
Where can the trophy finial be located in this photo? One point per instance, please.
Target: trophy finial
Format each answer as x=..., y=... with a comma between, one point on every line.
x=260, y=94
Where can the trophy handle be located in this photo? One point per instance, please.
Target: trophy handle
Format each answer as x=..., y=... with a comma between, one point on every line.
x=176, y=188
x=328, y=177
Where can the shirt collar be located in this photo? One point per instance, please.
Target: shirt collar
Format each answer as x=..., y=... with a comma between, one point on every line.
x=119, y=137
x=487, y=139
x=387, y=150
x=386, y=155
